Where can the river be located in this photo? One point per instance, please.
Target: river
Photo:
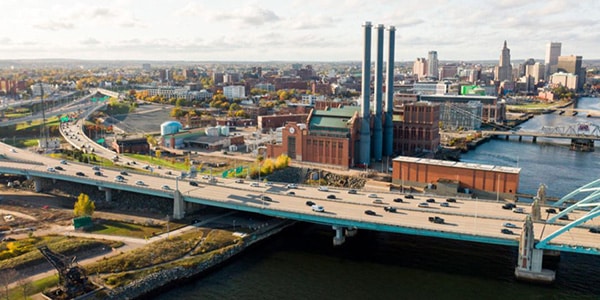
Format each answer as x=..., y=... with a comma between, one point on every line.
x=301, y=263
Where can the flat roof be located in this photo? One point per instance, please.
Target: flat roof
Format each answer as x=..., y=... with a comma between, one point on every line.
x=446, y=163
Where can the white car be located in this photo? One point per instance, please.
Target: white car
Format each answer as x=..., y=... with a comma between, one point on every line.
x=509, y=225
x=269, y=184
x=372, y=195
x=165, y=187
x=318, y=208
x=51, y=170
x=292, y=186
x=254, y=184
x=323, y=189
x=139, y=182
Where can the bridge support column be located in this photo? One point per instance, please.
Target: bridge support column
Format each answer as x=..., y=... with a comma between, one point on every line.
x=520, y=138
x=38, y=184
x=107, y=193
x=351, y=231
x=529, y=264
x=178, y=206
x=506, y=137
x=339, y=237
x=534, y=139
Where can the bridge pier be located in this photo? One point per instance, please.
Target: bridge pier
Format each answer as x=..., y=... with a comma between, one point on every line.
x=351, y=231
x=529, y=263
x=178, y=206
x=506, y=137
x=38, y=184
x=534, y=139
x=520, y=138
x=339, y=237
x=107, y=193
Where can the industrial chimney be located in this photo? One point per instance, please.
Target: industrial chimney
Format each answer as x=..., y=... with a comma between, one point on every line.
x=365, y=126
x=377, y=140
x=388, y=130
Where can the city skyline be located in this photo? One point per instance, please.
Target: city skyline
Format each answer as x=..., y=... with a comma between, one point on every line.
x=295, y=31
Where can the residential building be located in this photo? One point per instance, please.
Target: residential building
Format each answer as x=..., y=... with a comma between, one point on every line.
x=234, y=92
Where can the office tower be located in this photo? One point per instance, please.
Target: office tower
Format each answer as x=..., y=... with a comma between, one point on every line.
x=552, y=54
x=432, y=65
x=420, y=67
x=572, y=64
x=504, y=69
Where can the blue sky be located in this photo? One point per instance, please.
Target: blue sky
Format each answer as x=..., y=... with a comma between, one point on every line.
x=293, y=30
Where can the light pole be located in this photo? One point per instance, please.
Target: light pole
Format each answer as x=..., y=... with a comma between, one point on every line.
x=168, y=219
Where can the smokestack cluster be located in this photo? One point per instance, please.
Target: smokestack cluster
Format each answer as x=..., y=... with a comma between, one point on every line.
x=381, y=142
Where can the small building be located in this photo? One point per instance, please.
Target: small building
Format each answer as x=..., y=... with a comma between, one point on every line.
x=455, y=178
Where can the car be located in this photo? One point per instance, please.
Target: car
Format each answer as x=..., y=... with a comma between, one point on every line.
x=389, y=209
x=80, y=174
x=445, y=204
x=254, y=184
x=310, y=203
x=63, y=162
x=451, y=200
x=139, y=182
x=291, y=193
x=169, y=173
x=353, y=191
x=370, y=212
x=518, y=210
x=146, y=167
x=98, y=173
x=239, y=181
x=551, y=210
x=193, y=183
x=119, y=178
x=266, y=198
x=96, y=168
x=330, y=196
x=509, y=225
x=51, y=169
x=292, y=186
x=8, y=239
x=509, y=206
x=59, y=168
x=436, y=220
x=124, y=173
x=372, y=195
x=423, y=204
x=409, y=196
x=430, y=200
x=317, y=208
x=377, y=201
x=507, y=231
x=595, y=230
x=398, y=200
x=13, y=150
x=564, y=217
x=205, y=176
x=268, y=183
x=165, y=187
x=323, y=189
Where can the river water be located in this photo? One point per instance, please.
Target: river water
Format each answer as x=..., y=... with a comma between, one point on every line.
x=301, y=263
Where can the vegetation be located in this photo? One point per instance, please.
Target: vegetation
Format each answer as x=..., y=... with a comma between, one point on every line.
x=111, y=227
x=84, y=206
x=22, y=253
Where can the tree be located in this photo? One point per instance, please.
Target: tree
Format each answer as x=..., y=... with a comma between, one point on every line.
x=84, y=206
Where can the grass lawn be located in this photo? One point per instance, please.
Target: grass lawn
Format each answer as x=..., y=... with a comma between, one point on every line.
x=32, y=288
x=112, y=227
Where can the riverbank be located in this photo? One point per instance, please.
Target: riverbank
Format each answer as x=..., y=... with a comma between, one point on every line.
x=169, y=278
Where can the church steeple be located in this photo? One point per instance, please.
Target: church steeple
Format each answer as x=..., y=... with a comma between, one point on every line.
x=504, y=44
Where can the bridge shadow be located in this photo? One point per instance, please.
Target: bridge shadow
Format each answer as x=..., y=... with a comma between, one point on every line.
x=449, y=224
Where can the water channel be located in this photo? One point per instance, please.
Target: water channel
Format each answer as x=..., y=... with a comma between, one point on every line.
x=301, y=263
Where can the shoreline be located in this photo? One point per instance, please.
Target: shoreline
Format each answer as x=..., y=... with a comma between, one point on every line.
x=165, y=280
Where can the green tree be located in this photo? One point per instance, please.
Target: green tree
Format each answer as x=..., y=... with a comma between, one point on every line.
x=84, y=206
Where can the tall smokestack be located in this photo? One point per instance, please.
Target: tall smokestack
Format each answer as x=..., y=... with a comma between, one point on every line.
x=377, y=140
x=388, y=129
x=365, y=130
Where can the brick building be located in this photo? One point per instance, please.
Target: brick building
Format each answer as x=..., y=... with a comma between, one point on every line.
x=416, y=128
x=454, y=178
x=266, y=123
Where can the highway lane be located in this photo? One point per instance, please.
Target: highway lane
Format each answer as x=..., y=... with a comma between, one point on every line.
x=471, y=217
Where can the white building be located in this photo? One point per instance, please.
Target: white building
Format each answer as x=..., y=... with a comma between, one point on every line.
x=234, y=92
x=567, y=80
x=430, y=88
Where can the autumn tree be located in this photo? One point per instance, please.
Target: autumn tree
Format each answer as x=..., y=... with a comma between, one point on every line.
x=84, y=206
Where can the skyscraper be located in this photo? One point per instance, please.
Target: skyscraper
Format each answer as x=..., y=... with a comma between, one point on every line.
x=420, y=67
x=552, y=54
x=572, y=64
x=504, y=69
x=432, y=65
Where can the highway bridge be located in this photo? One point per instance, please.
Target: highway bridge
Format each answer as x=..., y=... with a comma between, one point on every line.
x=466, y=219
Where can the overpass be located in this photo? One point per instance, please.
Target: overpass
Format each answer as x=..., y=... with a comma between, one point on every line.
x=467, y=220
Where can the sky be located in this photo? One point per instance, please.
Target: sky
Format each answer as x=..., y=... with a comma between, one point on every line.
x=293, y=30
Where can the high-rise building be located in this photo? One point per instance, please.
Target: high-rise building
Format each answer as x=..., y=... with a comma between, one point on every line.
x=572, y=64
x=420, y=67
x=552, y=54
x=536, y=71
x=448, y=71
x=504, y=69
x=432, y=64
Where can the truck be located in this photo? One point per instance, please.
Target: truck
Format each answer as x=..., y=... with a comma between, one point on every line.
x=436, y=219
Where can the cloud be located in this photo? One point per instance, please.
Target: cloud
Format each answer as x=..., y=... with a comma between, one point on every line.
x=90, y=42
x=5, y=40
x=54, y=25
x=252, y=15
x=191, y=9
x=304, y=22
x=101, y=12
